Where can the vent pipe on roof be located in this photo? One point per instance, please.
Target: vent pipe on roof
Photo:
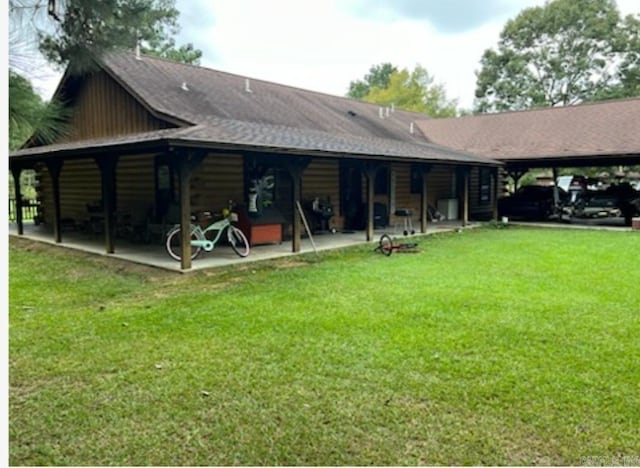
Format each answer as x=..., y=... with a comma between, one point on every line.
x=138, y=46
x=411, y=128
x=381, y=112
x=393, y=107
x=247, y=86
x=387, y=111
x=184, y=86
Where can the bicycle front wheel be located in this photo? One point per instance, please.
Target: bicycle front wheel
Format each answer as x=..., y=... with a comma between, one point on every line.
x=238, y=241
x=386, y=244
x=174, y=244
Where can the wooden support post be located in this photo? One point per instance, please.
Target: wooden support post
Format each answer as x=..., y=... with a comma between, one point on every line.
x=424, y=203
x=187, y=162
x=16, y=171
x=496, y=193
x=516, y=175
x=184, y=174
x=465, y=199
x=54, y=166
x=556, y=193
x=107, y=166
x=296, y=167
x=557, y=209
x=370, y=169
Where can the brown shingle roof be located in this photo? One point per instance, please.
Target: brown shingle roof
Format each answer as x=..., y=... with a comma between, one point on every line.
x=226, y=133
x=215, y=110
x=607, y=128
x=272, y=115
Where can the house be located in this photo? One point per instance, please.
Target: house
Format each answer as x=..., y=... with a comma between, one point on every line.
x=161, y=138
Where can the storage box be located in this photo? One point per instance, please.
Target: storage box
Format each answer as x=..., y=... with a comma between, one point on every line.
x=635, y=224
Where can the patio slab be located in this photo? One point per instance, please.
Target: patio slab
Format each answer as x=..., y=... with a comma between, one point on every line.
x=155, y=255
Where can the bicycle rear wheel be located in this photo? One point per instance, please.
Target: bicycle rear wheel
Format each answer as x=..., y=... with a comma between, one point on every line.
x=174, y=244
x=386, y=244
x=238, y=241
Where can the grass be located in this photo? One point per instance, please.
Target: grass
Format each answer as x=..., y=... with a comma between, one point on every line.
x=500, y=347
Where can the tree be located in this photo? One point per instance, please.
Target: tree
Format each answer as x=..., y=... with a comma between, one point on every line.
x=77, y=32
x=28, y=113
x=413, y=91
x=378, y=77
x=86, y=29
x=562, y=53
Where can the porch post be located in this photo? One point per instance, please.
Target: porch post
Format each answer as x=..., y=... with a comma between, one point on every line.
x=296, y=168
x=184, y=174
x=496, y=193
x=465, y=213
x=188, y=161
x=107, y=166
x=424, y=204
x=464, y=173
x=54, y=166
x=16, y=170
x=370, y=169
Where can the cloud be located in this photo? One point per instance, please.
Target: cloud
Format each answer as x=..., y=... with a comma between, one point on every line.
x=448, y=17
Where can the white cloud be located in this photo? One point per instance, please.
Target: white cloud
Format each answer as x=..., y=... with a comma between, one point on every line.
x=323, y=46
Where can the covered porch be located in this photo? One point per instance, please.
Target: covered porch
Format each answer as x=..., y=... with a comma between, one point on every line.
x=155, y=255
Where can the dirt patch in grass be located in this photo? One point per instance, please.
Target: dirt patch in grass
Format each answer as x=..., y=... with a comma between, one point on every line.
x=109, y=264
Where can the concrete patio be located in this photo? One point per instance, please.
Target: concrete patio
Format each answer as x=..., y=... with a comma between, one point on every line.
x=155, y=254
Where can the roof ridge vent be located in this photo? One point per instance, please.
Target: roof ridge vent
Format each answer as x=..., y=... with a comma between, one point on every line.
x=247, y=86
x=184, y=86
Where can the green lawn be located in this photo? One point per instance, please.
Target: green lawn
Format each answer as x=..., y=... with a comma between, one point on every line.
x=490, y=346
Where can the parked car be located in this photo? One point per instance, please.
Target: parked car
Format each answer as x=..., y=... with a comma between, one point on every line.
x=616, y=200
x=531, y=202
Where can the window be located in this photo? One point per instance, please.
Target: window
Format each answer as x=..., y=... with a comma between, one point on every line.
x=484, y=195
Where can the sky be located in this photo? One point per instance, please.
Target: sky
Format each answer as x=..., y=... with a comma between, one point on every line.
x=323, y=45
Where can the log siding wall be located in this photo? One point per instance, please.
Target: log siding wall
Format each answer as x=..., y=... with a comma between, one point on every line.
x=218, y=179
x=102, y=108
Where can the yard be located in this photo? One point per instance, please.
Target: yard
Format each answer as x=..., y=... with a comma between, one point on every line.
x=491, y=346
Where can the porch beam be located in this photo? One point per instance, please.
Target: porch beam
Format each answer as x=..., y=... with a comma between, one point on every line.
x=107, y=166
x=54, y=166
x=16, y=170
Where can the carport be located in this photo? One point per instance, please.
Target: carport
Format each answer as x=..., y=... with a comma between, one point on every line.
x=601, y=134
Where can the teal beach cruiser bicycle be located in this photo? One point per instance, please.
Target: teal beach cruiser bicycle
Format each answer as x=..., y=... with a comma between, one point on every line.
x=200, y=241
